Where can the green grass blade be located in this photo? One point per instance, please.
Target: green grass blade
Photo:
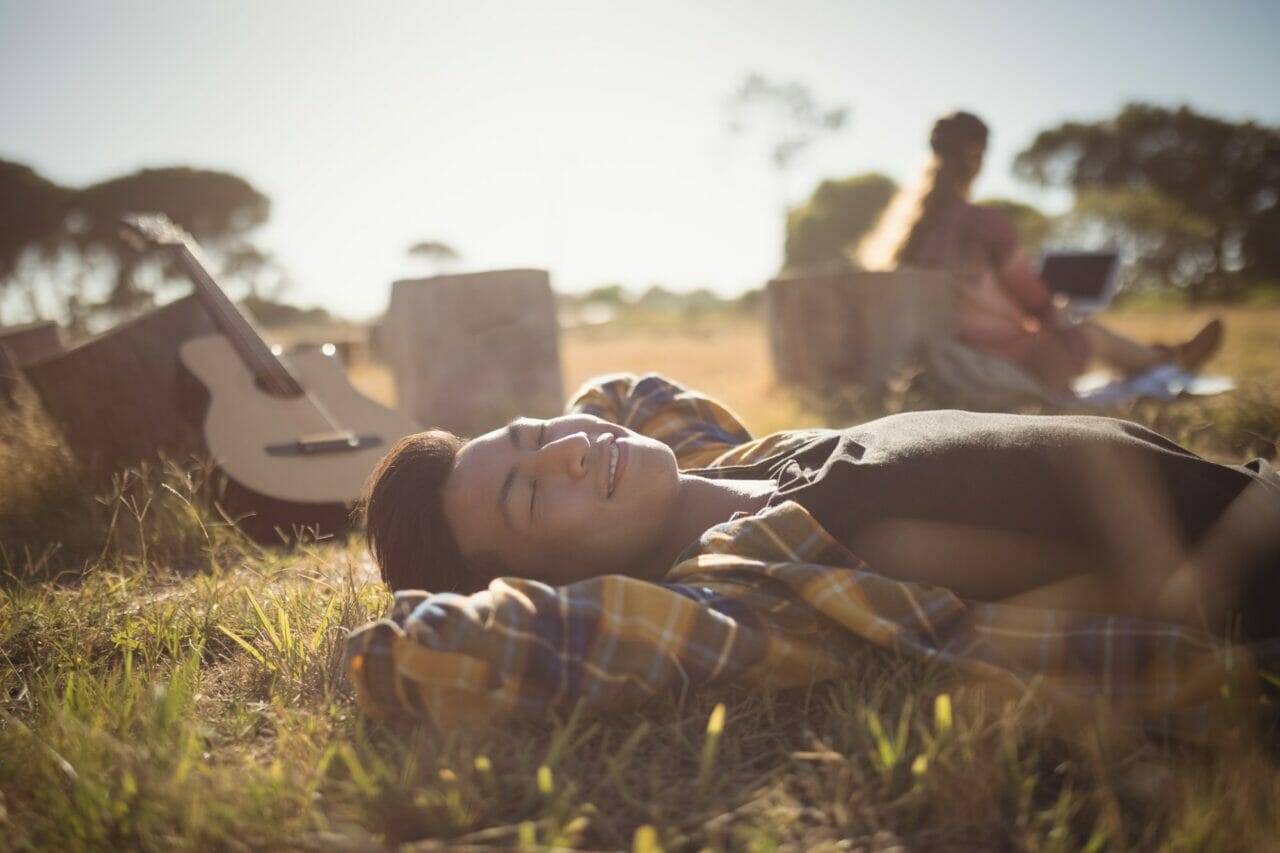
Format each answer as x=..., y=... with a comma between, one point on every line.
x=245, y=644
x=263, y=620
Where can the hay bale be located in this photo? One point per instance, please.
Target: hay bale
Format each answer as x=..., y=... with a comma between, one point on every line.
x=855, y=327
x=469, y=352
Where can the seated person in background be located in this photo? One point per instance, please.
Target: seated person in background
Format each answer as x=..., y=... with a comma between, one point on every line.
x=1001, y=305
x=676, y=551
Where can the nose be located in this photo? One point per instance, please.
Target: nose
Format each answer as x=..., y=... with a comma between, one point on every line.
x=566, y=455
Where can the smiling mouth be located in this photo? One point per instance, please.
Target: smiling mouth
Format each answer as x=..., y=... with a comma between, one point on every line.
x=613, y=467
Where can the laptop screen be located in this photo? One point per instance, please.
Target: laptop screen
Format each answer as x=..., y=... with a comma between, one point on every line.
x=1083, y=276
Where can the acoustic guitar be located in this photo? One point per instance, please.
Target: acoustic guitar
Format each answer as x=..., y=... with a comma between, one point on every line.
x=291, y=429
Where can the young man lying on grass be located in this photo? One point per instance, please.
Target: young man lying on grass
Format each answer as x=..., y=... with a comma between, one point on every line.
x=645, y=542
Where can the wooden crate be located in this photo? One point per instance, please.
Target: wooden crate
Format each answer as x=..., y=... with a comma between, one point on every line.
x=854, y=327
x=23, y=345
x=120, y=396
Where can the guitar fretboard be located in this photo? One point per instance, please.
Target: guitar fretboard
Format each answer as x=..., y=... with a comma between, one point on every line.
x=271, y=374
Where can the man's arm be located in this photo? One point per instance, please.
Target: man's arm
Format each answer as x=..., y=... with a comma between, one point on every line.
x=522, y=648
x=701, y=430
x=1020, y=281
x=1013, y=270
x=768, y=600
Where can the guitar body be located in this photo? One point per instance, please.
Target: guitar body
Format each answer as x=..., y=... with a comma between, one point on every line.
x=294, y=441
x=249, y=433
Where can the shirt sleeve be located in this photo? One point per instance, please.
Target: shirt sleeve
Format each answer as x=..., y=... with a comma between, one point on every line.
x=770, y=600
x=522, y=647
x=698, y=428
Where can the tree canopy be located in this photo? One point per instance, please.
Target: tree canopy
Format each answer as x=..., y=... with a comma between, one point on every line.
x=822, y=231
x=1225, y=174
x=32, y=212
x=1167, y=243
x=434, y=250
x=58, y=241
x=794, y=117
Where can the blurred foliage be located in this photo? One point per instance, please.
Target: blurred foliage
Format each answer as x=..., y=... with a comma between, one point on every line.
x=434, y=250
x=1164, y=242
x=32, y=211
x=614, y=306
x=437, y=253
x=1225, y=174
x=822, y=231
x=61, y=252
x=609, y=294
x=269, y=312
x=794, y=118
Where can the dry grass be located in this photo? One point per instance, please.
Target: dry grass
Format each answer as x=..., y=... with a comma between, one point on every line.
x=143, y=707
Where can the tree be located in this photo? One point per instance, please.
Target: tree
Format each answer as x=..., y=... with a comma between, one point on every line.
x=609, y=294
x=1226, y=174
x=658, y=297
x=822, y=231
x=270, y=312
x=32, y=210
x=796, y=118
x=60, y=247
x=436, y=252
x=1165, y=243
x=791, y=115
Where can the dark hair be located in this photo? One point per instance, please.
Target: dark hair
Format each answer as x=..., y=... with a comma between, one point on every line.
x=404, y=518
x=952, y=137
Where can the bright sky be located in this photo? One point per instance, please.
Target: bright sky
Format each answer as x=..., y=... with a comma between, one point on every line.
x=587, y=138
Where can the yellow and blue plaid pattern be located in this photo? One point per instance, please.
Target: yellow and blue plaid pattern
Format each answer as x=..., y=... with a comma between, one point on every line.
x=767, y=600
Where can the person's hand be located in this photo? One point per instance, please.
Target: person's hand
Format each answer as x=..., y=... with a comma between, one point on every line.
x=1055, y=316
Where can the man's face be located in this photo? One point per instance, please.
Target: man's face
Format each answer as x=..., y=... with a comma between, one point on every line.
x=562, y=499
x=973, y=155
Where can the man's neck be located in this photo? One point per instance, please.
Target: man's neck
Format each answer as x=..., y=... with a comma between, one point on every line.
x=701, y=504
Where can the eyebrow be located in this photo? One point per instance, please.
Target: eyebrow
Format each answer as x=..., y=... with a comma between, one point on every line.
x=503, y=509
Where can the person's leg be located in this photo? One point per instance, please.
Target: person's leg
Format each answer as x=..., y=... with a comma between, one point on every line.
x=1129, y=356
x=1121, y=352
x=1056, y=356
x=1231, y=582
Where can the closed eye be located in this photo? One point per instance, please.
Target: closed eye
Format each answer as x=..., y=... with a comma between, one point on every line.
x=533, y=489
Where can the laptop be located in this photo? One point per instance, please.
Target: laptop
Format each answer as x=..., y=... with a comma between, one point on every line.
x=1088, y=280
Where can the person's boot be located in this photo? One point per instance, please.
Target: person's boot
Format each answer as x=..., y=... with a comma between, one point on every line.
x=1195, y=351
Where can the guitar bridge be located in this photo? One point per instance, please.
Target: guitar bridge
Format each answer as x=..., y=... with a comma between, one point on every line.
x=323, y=442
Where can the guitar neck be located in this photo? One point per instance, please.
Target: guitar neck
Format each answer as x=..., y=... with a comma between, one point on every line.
x=239, y=330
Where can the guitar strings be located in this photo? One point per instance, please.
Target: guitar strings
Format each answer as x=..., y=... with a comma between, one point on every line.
x=271, y=371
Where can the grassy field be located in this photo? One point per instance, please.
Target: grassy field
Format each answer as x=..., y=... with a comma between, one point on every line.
x=166, y=684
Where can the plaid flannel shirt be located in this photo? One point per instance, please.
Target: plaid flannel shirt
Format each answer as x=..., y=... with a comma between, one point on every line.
x=765, y=600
